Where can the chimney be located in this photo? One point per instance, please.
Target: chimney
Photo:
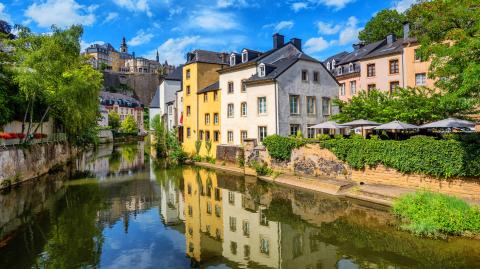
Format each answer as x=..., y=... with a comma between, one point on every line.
x=391, y=38
x=358, y=46
x=297, y=43
x=278, y=40
x=406, y=30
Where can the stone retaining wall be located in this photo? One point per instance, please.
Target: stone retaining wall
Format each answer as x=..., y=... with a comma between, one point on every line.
x=312, y=160
x=27, y=163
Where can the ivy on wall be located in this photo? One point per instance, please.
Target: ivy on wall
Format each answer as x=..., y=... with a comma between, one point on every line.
x=280, y=147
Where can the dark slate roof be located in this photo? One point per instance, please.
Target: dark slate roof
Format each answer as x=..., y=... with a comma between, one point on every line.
x=205, y=56
x=212, y=87
x=386, y=49
x=361, y=52
x=275, y=69
x=177, y=74
x=337, y=57
x=122, y=100
x=156, y=100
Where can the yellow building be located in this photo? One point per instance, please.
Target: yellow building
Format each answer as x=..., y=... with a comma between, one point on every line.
x=203, y=214
x=201, y=100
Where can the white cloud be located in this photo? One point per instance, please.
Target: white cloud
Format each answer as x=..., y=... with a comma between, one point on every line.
x=61, y=13
x=174, y=49
x=212, y=20
x=403, y=5
x=174, y=11
x=349, y=34
x=277, y=27
x=135, y=6
x=316, y=44
x=299, y=6
x=141, y=38
x=111, y=16
x=235, y=3
x=328, y=28
x=3, y=15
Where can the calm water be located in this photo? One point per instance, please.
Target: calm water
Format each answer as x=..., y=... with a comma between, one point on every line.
x=120, y=210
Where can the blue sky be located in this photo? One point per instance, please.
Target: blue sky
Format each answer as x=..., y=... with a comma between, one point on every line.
x=175, y=27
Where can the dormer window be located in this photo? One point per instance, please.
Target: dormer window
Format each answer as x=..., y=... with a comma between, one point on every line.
x=261, y=70
x=333, y=64
x=244, y=56
x=339, y=70
x=232, y=59
x=328, y=66
x=350, y=67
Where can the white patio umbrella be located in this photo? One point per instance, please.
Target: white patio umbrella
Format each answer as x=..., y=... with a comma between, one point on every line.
x=449, y=123
x=396, y=125
x=360, y=123
x=327, y=125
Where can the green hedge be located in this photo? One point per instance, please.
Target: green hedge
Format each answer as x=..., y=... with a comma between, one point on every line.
x=280, y=147
x=419, y=154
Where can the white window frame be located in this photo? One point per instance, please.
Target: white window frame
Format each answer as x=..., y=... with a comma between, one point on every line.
x=261, y=70
x=232, y=59
x=259, y=107
x=423, y=82
x=261, y=134
x=230, y=136
x=353, y=90
x=230, y=110
x=297, y=103
x=244, y=56
x=243, y=109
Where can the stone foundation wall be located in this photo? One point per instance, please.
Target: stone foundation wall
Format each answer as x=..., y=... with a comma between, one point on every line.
x=229, y=154
x=31, y=162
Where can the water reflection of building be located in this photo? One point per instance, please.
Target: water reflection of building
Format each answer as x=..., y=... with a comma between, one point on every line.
x=172, y=204
x=250, y=238
x=203, y=215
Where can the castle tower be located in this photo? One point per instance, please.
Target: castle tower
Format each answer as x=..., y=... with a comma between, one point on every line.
x=158, y=57
x=123, y=46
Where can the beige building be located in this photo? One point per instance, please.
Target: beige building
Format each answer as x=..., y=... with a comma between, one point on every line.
x=123, y=105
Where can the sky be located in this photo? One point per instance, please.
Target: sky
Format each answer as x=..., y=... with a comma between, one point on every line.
x=174, y=27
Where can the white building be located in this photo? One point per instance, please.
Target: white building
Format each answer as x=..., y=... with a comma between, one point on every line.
x=281, y=91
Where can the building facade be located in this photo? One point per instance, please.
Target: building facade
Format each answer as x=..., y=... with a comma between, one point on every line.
x=124, y=106
x=282, y=91
x=201, y=100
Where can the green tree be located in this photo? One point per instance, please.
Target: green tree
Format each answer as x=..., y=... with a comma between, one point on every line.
x=383, y=23
x=412, y=105
x=449, y=34
x=113, y=120
x=160, y=134
x=53, y=75
x=129, y=125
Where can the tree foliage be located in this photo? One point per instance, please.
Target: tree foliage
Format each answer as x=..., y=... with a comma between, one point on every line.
x=449, y=33
x=129, y=125
x=113, y=120
x=383, y=23
x=52, y=74
x=280, y=147
x=412, y=105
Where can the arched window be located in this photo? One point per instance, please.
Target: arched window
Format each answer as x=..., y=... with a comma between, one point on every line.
x=232, y=59
x=333, y=64
x=261, y=70
x=350, y=67
x=244, y=56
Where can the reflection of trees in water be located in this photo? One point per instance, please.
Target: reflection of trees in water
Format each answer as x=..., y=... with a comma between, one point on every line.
x=164, y=173
x=129, y=152
x=114, y=160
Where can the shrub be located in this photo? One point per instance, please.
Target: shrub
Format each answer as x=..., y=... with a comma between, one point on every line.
x=280, y=148
x=434, y=214
x=241, y=161
x=129, y=125
x=208, y=146
x=322, y=137
x=197, y=158
x=419, y=154
x=262, y=169
x=198, y=146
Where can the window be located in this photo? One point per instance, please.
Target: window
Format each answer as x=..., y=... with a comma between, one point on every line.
x=311, y=105
x=218, y=211
x=205, y=97
x=393, y=86
x=297, y=246
x=188, y=132
x=353, y=87
x=315, y=76
x=333, y=64
x=294, y=105
x=233, y=247
x=190, y=210
x=294, y=128
x=231, y=197
x=263, y=218
x=244, y=56
x=264, y=245
x=187, y=74
x=209, y=208
x=262, y=105
x=243, y=109
x=200, y=134
x=230, y=136
x=244, y=86
x=304, y=75
x=246, y=251
x=393, y=67
x=232, y=59
x=170, y=110
x=188, y=89
x=328, y=65
x=230, y=87
x=262, y=132
x=350, y=68
x=420, y=79
x=326, y=106
x=215, y=118
x=261, y=70
x=207, y=135
x=371, y=87
x=342, y=89
x=246, y=228
x=188, y=111
x=233, y=224
x=310, y=131
x=216, y=136
x=207, y=119
x=370, y=70
x=340, y=70
x=243, y=135
x=230, y=110
x=189, y=189
x=215, y=96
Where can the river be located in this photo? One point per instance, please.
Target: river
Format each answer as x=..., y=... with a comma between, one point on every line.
x=117, y=208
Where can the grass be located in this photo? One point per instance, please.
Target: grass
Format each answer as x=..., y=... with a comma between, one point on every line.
x=436, y=215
